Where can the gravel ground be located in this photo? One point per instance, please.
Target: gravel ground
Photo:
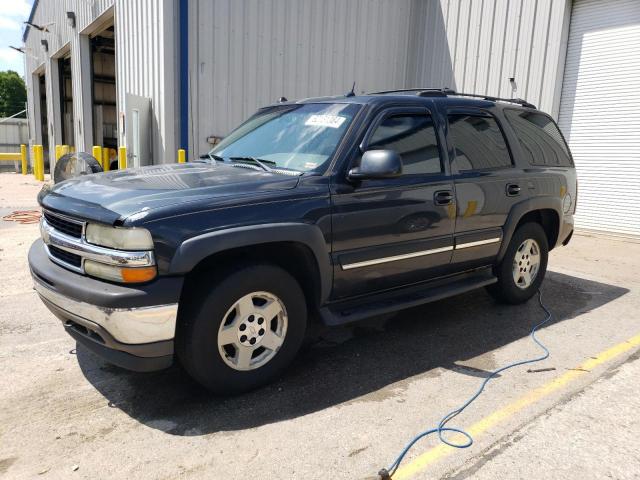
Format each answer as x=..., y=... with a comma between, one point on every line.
x=351, y=400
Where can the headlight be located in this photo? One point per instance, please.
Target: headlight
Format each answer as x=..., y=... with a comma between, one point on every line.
x=119, y=238
x=119, y=274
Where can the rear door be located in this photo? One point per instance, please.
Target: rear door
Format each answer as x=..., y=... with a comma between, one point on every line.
x=486, y=182
x=394, y=232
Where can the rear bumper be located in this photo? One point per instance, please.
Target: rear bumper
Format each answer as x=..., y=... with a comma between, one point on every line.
x=132, y=327
x=566, y=230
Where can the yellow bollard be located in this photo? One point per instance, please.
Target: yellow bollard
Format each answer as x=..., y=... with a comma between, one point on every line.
x=182, y=156
x=58, y=152
x=122, y=158
x=64, y=149
x=39, y=162
x=33, y=156
x=106, y=159
x=23, y=158
x=96, y=151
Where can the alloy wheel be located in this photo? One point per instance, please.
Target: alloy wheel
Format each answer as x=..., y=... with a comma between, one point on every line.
x=253, y=330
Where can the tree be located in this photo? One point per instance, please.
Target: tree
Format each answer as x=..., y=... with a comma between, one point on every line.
x=13, y=94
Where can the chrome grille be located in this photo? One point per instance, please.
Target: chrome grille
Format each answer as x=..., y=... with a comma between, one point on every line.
x=63, y=224
x=65, y=242
x=66, y=257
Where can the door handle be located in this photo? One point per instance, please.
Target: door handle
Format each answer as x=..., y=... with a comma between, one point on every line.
x=443, y=197
x=513, y=189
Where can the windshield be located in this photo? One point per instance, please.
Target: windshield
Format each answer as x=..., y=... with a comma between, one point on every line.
x=298, y=137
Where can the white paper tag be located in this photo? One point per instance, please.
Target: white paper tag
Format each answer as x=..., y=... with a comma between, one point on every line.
x=331, y=121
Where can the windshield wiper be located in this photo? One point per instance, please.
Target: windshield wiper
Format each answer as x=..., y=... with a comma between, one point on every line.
x=212, y=157
x=256, y=161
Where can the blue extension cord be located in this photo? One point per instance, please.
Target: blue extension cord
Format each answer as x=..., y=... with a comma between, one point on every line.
x=388, y=473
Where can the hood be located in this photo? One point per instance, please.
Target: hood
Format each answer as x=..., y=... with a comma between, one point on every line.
x=107, y=197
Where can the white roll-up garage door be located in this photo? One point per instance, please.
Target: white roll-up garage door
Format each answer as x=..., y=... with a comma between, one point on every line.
x=600, y=112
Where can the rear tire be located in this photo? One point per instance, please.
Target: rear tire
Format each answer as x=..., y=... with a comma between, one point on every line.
x=243, y=330
x=523, y=267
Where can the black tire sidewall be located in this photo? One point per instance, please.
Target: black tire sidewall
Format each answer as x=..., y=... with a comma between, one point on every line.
x=199, y=352
x=506, y=287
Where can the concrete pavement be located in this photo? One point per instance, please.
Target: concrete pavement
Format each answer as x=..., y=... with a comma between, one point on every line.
x=353, y=397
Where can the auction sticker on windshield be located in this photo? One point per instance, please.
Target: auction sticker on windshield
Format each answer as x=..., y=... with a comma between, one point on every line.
x=331, y=121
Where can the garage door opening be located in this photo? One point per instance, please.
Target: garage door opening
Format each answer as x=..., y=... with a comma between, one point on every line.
x=103, y=85
x=66, y=101
x=602, y=132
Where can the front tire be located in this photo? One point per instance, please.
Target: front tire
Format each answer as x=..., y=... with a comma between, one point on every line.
x=244, y=330
x=523, y=267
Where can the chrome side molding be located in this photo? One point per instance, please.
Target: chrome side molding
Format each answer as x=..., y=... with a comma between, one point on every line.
x=394, y=258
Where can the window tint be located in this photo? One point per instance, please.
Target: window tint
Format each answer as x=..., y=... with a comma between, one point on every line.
x=414, y=138
x=479, y=143
x=540, y=138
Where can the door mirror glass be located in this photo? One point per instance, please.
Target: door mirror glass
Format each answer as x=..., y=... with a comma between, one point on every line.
x=377, y=164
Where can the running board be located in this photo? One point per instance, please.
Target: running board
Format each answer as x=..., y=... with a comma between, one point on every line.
x=348, y=311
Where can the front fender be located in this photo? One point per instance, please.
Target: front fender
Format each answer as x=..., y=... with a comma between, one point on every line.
x=195, y=249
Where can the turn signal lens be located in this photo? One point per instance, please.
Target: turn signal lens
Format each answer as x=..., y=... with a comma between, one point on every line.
x=138, y=275
x=119, y=274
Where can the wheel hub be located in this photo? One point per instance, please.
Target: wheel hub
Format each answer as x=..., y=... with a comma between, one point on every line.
x=251, y=330
x=526, y=263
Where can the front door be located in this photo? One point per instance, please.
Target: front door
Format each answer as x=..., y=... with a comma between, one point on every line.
x=394, y=232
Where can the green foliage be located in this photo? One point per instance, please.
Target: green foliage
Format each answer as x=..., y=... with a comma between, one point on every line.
x=13, y=94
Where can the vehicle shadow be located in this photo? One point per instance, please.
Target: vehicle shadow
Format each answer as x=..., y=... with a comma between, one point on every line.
x=347, y=363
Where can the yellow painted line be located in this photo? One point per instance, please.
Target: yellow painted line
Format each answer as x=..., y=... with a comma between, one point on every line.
x=488, y=422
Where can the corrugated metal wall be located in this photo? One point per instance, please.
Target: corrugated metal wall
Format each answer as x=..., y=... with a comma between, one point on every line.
x=246, y=54
x=13, y=133
x=475, y=46
x=147, y=65
x=146, y=52
x=61, y=37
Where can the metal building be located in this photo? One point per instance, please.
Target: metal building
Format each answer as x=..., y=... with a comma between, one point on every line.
x=158, y=75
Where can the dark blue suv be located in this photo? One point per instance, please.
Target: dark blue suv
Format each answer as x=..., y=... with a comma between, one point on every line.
x=327, y=209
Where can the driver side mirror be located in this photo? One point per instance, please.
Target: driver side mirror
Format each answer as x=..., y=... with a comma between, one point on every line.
x=377, y=164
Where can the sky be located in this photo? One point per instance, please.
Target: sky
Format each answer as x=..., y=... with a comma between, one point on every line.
x=12, y=14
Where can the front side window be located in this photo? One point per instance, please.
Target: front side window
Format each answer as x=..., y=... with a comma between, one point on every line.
x=539, y=138
x=297, y=137
x=479, y=143
x=414, y=138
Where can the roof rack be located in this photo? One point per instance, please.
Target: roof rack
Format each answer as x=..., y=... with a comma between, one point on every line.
x=443, y=92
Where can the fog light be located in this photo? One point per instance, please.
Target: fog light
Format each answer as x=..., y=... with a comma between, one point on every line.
x=119, y=274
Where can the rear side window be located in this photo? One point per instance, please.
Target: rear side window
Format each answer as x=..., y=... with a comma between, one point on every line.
x=414, y=138
x=539, y=138
x=479, y=143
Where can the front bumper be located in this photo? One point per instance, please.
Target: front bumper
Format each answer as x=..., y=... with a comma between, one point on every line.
x=132, y=327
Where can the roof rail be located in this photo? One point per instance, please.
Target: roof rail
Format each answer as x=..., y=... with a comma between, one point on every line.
x=436, y=91
x=519, y=101
x=443, y=92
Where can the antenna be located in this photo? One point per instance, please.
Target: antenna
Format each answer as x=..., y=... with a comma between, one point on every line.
x=352, y=93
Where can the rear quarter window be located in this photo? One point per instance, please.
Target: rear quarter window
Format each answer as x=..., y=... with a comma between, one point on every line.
x=540, y=138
